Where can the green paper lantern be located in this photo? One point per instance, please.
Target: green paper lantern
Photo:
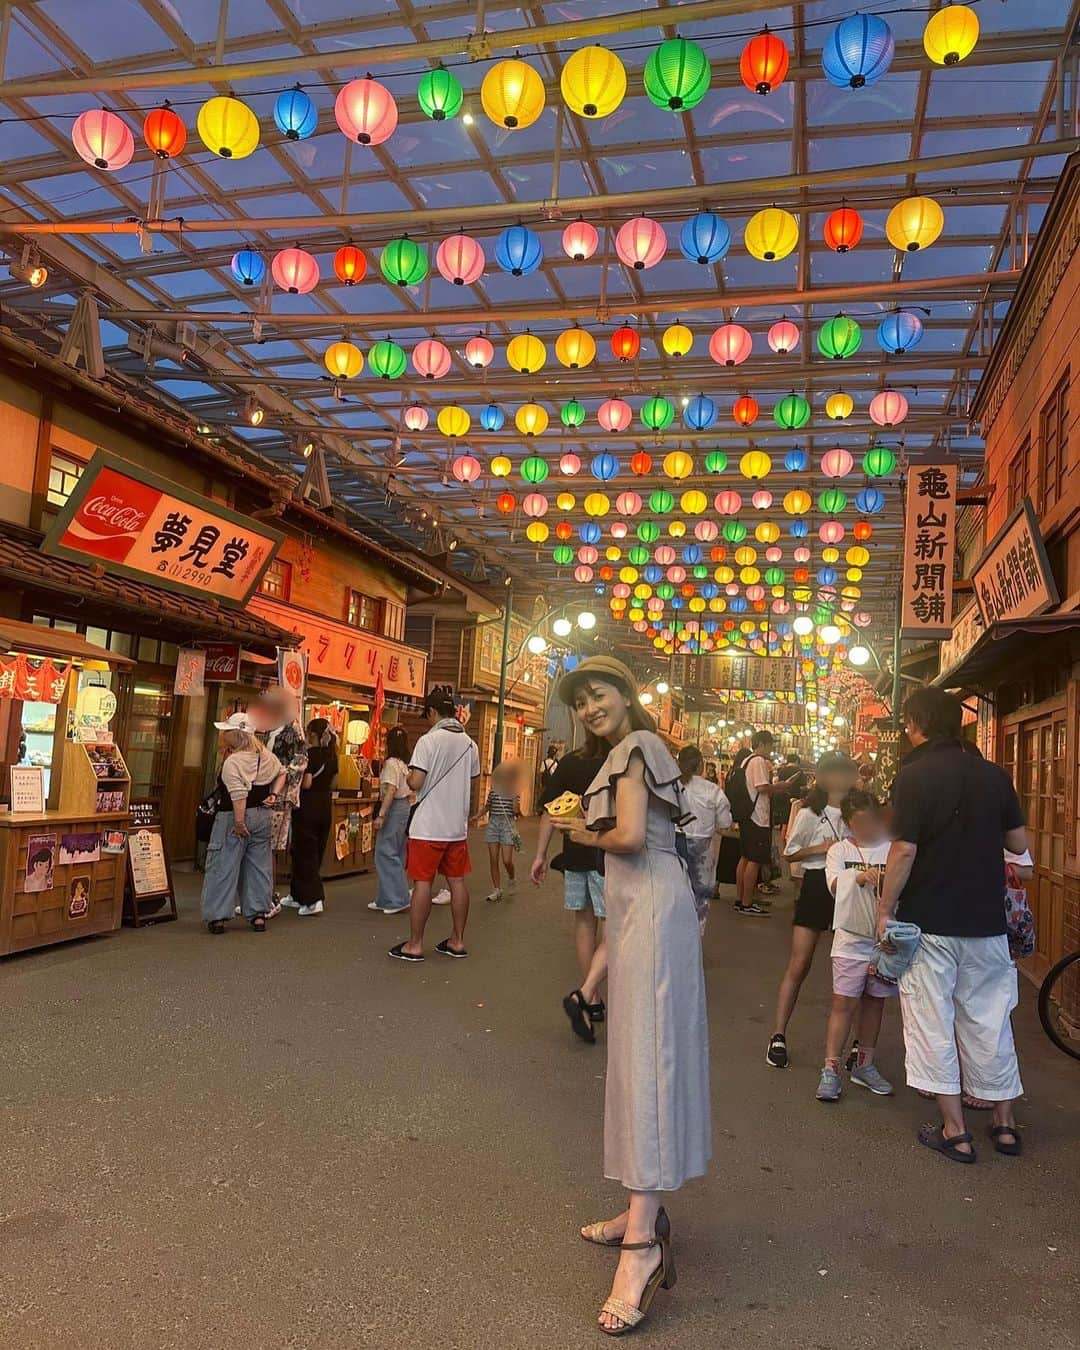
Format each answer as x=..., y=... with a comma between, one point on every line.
x=661, y=502
x=648, y=532
x=440, y=95
x=677, y=75
x=832, y=501
x=638, y=555
x=774, y=576
x=657, y=413
x=839, y=337
x=792, y=412
x=572, y=414
x=701, y=572
x=879, y=462
x=665, y=590
x=562, y=554
x=403, y=262
x=387, y=360
x=823, y=615
x=534, y=469
x=734, y=531
x=715, y=461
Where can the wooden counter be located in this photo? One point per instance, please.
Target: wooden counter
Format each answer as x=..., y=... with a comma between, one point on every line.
x=358, y=858
x=66, y=909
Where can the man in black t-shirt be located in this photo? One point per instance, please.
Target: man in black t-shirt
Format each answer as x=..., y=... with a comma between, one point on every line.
x=955, y=814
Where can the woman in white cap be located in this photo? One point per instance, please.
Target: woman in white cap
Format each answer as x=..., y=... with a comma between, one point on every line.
x=657, y=1126
x=238, y=857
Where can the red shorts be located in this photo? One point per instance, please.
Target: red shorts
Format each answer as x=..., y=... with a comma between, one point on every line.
x=426, y=858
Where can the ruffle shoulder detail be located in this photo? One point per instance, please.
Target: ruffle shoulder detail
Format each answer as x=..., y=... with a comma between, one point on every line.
x=662, y=778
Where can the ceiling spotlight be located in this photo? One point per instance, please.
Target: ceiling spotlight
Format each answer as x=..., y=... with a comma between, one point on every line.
x=451, y=545
x=152, y=347
x=29, y=270
x=203, y=429
x=306, y=448
x=253, y=413
x=562, y=628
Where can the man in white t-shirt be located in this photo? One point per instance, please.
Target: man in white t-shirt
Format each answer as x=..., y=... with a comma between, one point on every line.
x=442, y=767
x=755, y=834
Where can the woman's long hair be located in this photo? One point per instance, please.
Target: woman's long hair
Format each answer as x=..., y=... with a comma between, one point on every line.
x=322, y=732
x=397, y=744
x=639, y=718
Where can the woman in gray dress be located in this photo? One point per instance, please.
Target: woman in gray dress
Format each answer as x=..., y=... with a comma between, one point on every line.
x=657, y=1128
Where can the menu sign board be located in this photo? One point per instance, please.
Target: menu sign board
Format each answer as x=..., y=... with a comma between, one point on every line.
x=1012, y=579
x=139, y=525
x=929, y=551
x=146, y=862
x=725, y=670
x=765, y=712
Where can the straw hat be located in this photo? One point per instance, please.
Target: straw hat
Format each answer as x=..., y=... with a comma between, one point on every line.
x=601, y=668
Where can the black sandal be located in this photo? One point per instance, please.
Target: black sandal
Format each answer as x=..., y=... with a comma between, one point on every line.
x=933, y=1136
x=597, y=1012
x=258, y=923
x=577, y=1010
x=216, y=926
x=1012, y=1150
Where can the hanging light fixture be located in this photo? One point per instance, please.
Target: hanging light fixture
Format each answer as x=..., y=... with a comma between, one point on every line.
x=403, y=262
x=460, y=260
x=838, y=406
x=593, y=82
x=492, y=418
x=858, y=51
x=604, y=466
x=899, y=331
x=570, y=464
x=164, y=132
x=843, y=229
x=677, y=340
x=343, y=360
x=431, y=359
x=103, y=139
x=641, y=243
x=575, y=348
x=771, y=234
x=783, y=337
x=795, y=459
x=572, y=414
x=755, y=464
x=512, y=94
x=534, y=469
x=730, y=345
x=416, y=419
x=453, y=421
x=836, y=463
x=700, y=413
x=366, y=112
x=657, y=413
x=745, y=411
x=677, y=75
x=839, y=338
x=350, y=265
x=950, y=35
x=797, y=502
x=614, y=415
x=870, y=501
x=878, y=462
x=832, y=501
x=479, y=352
x=526, y=354
x=387, y=360
x=466, y=469
x=640, y=464
x=228, y=128
x=792, y=412
x=580, y=240
x=254, y=413
x=678, y=465
x=705, y=238
x=248, y=267
x=914, y=224
x=531, y=420
x=295, y=271
x=625, y=344
x=889, y=408
x=519, y=251
x=439, y=94
x=764, y=63
x=295, y=114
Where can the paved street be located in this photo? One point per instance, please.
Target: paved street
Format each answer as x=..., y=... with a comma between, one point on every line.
x=292, y=1141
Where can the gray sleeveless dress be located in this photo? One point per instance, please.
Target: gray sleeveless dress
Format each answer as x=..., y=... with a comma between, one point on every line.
x=657, y=1121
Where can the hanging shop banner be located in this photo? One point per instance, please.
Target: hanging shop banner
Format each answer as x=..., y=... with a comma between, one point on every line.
x=767, y=713
x=292, y=671
x=189, y=681
x=1012, y=579
x=929, y=551
x=139, y=525
x=725, y=670
x=222, y=662
x=336, y=651
x=30, y=681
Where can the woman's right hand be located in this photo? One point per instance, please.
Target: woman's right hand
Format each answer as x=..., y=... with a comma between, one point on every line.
x=539, y=870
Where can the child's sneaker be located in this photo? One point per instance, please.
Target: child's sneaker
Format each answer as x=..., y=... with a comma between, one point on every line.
x=870, y=1076
x=829, y=1087
x=494, y=897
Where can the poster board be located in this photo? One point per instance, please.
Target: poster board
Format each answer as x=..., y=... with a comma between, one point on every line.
x=27, y=790
x=149, y=885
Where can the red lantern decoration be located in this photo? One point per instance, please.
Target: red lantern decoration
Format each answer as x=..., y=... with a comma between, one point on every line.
x=366, y=112
x=718, y=554
x=745, y=411
x=764, y=63
x=730, y=345
x=350, y=265
x=625, y=343
x=863, y=530
x=295, y=271
x=164, y=132
x=580, y=240
x=479, y=352
x=431, y=359
x=640, y=463
x=783, y=337
x=505, y=503
x=564, y=530
x=606, y=573
x=843, y=229
x=614, y=415
x=460, y=259
x=800, y=576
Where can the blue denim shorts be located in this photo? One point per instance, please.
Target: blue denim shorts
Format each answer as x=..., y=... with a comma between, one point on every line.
x=500, y=831
x=584, y=890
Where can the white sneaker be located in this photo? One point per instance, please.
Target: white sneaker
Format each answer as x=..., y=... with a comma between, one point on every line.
x=289, y=902
x=443, y=898
x=316, y=908
x=398, y=909
x=494, y=896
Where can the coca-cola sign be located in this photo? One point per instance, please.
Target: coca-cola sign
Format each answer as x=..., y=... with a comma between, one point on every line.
x=222, y=662
x=141, y=526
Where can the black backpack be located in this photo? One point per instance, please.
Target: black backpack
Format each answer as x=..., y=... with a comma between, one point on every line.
x=738, y=794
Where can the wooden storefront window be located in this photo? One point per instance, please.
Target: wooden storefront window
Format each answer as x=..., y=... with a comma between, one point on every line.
x=1053, y=438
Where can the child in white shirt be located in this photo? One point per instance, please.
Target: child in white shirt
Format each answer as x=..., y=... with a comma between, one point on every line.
x=854, y=868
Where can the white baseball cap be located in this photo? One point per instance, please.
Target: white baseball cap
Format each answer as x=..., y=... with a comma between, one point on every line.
x=239, y=721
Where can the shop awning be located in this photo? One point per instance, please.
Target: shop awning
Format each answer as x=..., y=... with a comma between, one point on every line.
x=1005, y=647
x=36, y=640
x=117, y=602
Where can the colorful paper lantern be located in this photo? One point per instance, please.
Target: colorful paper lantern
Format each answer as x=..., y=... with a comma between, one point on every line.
x=580, y=240
x=531, y=419
x=164, y=132
x=641, y=464
x=103, y=139
x=479, y=352
x=797, y=502
x=403, y=262
x=771, y=234
x=767, y=532
x=678, y=465
x=628, y=504
x=727, y=503
x=440, y=94
x=661, y=501
x=604, y=466
x=716, y=461
x=535, y=504
x=745, y=410
x=575, y=348
x=460, y=260
x=295, y=271
x=838, y=406
x=526, y=354
x=387, y=360
x=506, y=504
x=501, y=466
x=869, y=501
x=899, y=331
x=431, y=359
x=792, y=412
x=836, y=463
x=466, y=469
x=843, y=229
x=565, y=501
x=879, y=462
x=641, y=243
x=730, y=345
x=951, y=34
x=492, y=418
x=677, y=340
x=839, y=337
x=453, y=421
x=572, y=414
x=832, y=501
x=614, y=415
x=863, y=530
x=562, y=554
x=593, y=82
x=755, y=464
x=858, y=51
x=227, y=127
x=534, y=469
x=913, y=224
x=677, y=75
x=248, y=267
x=795, y=460
x=764, y=63
x=416, y=418
x=350, y=265
x=512, y=94
x=365, y=112
x=705, y=238
x=625, y=344
x=889, y=408
x=657, y=413
x=783, y=337
x=734, y=531
x=596, y=504
x=295, y=114
x=569, y=464
x=518, y=250
x=536, y=531
x=700, y=413
x=343, y=360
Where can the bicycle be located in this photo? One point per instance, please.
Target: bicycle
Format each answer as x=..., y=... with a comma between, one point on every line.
x=1062, y=979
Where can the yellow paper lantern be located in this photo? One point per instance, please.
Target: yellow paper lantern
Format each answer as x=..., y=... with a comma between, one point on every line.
x=747, y=626
x=694, y=502
x=914, y=224
x=575, y=348
x=228, y=127
x=642, y=591
x=750, y=576
x=746, y=556
x=830, y=554
x=526, y=354
x=531, y=419
x=512, y=94
x=857, y=556
x=628, y=575
x=677, y=340
x=853, y=574
x=678, y=465
x=343, y=360
x=768, y=532
x=676, y=529
x=755, y=464
x=724, y=575
x=802, y=595
x=565, y=501
x=951, y=35
x=838, y=406
x=850, y=593
x=596, y=504
x=797, y=502
x=453, y=421
x=777, y=592
x=771, y=234
x=696, y=605
x=593, y=82
x=612, y=554
x=717, y=605
x=501, y=467
x=536, y=532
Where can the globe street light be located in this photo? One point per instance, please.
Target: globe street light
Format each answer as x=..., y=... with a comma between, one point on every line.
x=562, y=628
x=586, y=620
x=859, y=655
x=537, y=644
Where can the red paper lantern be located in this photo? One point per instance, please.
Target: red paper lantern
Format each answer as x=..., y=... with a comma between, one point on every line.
x=640, y=463
x=350, y=265
x=800, y=576
x=505, y=503
x=764, y=63
x=366, y=112
x=580, y=240
x=606, y=573
x=479, y=352
x=745, y=411
x=863, y=530
x=564, y=530
x=843, y=229
x=164, y=132
x=625, y=343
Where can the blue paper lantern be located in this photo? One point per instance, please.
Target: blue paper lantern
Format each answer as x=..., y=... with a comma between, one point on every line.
x=590, y=532
x=899, y=331
x=709, y=592
x=653, y=574
x=604, y=466
x=295, y=114
x=858, y=51
x=799, y=529
x=692, y=554
x=826, y=576
x=700, y=413
x=248, y=267
x=738, y=604
x=705, y=238
x=519, y=251
x=492, y=418
x=676, y=602
x=795, y=460
x=870, y=501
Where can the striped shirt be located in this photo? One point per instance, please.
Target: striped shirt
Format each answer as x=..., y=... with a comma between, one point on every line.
x=500, y=806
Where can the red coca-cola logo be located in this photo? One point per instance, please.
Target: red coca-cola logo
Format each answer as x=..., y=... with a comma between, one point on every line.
x=112, y=515
x=120, y=515
x=222, y=661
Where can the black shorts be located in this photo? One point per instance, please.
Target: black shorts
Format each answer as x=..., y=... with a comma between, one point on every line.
x=755, y=842
x=814, y=907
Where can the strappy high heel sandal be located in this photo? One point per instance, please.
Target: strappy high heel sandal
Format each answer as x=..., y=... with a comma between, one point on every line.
x=577, y=1010
x=594, y=1232
x=663, y=1277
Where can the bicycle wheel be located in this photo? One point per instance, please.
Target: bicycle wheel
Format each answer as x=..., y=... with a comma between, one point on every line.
x=1059, y=1004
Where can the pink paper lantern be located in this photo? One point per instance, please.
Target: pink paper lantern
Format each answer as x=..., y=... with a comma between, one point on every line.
x=781, y=607
x=836, y=463
x=466, y=469
x=431, y=359
x=802, y=554
x=730, y=345
x=614, y=415
x=569, y=465
x=587, y=554
x=460, y=259
x=641, y=243
x=579, y=240
x=889, y=408
x=732, y=588
x=103, y=139
x=728, y=503
x=621, y=591
x=755, y=592
x=416, y=418
x=628, y=503
x=774, y=553
x=366, y=112
x=479, y=353
x=762, y=499
x=583, y=573
x=295, y=271
x=619, y=529
x=676, y=575
x=705, y=531
x=664, y=555
x=783, y=337
x=535, y=505
x=831, y=532
x=862, y=619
